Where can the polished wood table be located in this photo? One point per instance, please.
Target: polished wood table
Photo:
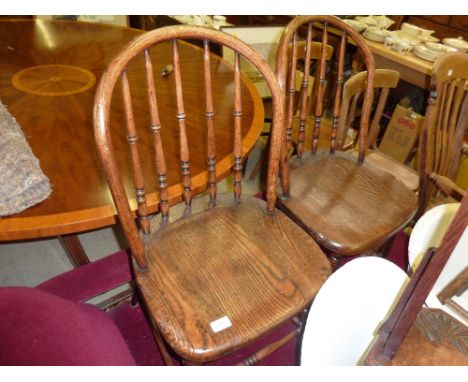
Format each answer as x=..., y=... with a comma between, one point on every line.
x=48, y=75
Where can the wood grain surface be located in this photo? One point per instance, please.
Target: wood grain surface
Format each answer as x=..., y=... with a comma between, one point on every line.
x=435, y=339
x=346, y=206
x=232, y=260
x=59, y=60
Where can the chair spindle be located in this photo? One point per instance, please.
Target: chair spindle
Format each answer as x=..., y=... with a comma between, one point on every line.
x=184, y=151
x=157, y=143
x=211, y=147
x=237, y=128
x=321, y=89
x=132, y=138
x=374, y=126
x=291, y=91
x=339, y=92
x=303, y=94
x=450, y=136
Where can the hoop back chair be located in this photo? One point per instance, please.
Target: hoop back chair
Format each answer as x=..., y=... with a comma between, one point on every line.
x=354, y=88
x=220, y=271
x=347, y=205
x=443, y=129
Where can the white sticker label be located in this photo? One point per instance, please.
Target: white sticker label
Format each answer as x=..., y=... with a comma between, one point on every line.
x=221, y=324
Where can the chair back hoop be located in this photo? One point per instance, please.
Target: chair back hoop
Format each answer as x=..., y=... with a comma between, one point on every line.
x=444, y=126
x=117, y=70
x=354, y=87
x=290, y=37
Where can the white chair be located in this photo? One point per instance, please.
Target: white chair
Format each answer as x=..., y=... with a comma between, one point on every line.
x=348, y=309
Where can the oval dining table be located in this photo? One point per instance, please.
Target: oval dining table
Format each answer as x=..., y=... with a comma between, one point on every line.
x=48, y=75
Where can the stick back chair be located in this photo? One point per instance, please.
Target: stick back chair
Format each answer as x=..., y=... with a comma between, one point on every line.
x=443, y=130
x=354, y=88
x=222, y=270
x=347, y=205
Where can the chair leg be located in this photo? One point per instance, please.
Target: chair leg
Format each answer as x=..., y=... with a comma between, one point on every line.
x=161, y=345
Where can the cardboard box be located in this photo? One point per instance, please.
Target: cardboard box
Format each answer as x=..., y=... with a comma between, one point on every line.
x=402, y=134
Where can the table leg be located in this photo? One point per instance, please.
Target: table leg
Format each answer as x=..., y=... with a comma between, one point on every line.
x=74, y=250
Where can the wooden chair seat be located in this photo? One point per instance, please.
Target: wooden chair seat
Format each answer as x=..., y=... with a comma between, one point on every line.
x=435, y=339
x=407, y=175
x=349, y=207
x=196, y=276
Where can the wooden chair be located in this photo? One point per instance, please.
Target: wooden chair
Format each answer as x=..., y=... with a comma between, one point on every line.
x=419, y=336
x=347, y=205
x=354, y=88
x=219, y=271
x=442, y=134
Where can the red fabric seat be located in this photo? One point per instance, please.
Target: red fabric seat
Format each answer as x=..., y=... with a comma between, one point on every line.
x=39, y=328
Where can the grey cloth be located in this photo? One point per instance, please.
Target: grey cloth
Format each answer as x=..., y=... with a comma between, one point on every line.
x=22, y=182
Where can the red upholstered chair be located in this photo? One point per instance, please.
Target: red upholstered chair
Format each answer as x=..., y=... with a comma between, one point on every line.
x=52, y=325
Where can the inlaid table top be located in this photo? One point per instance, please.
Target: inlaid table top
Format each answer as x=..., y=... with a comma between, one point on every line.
x=48, y=76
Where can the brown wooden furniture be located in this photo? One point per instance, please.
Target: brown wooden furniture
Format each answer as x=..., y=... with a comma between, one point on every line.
x=353, y=89
x=347, y=205
x=307, y=87
x=441, y=139
x=434, y=338
x=217, y=272
x=48, y=79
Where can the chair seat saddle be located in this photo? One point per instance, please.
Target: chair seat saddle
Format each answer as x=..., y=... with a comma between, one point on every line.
x=343, y=208
x=233, y=265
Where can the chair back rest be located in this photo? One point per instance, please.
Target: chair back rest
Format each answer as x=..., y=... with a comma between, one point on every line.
x=354, y=88
x=445, y=123
x=348, y=309
x=327, y=27
x=134, y=72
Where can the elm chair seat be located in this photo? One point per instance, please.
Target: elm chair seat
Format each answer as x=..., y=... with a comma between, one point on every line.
x=202, y=278
x=343, y=203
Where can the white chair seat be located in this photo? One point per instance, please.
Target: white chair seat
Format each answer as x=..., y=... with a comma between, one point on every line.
x=348, y=309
